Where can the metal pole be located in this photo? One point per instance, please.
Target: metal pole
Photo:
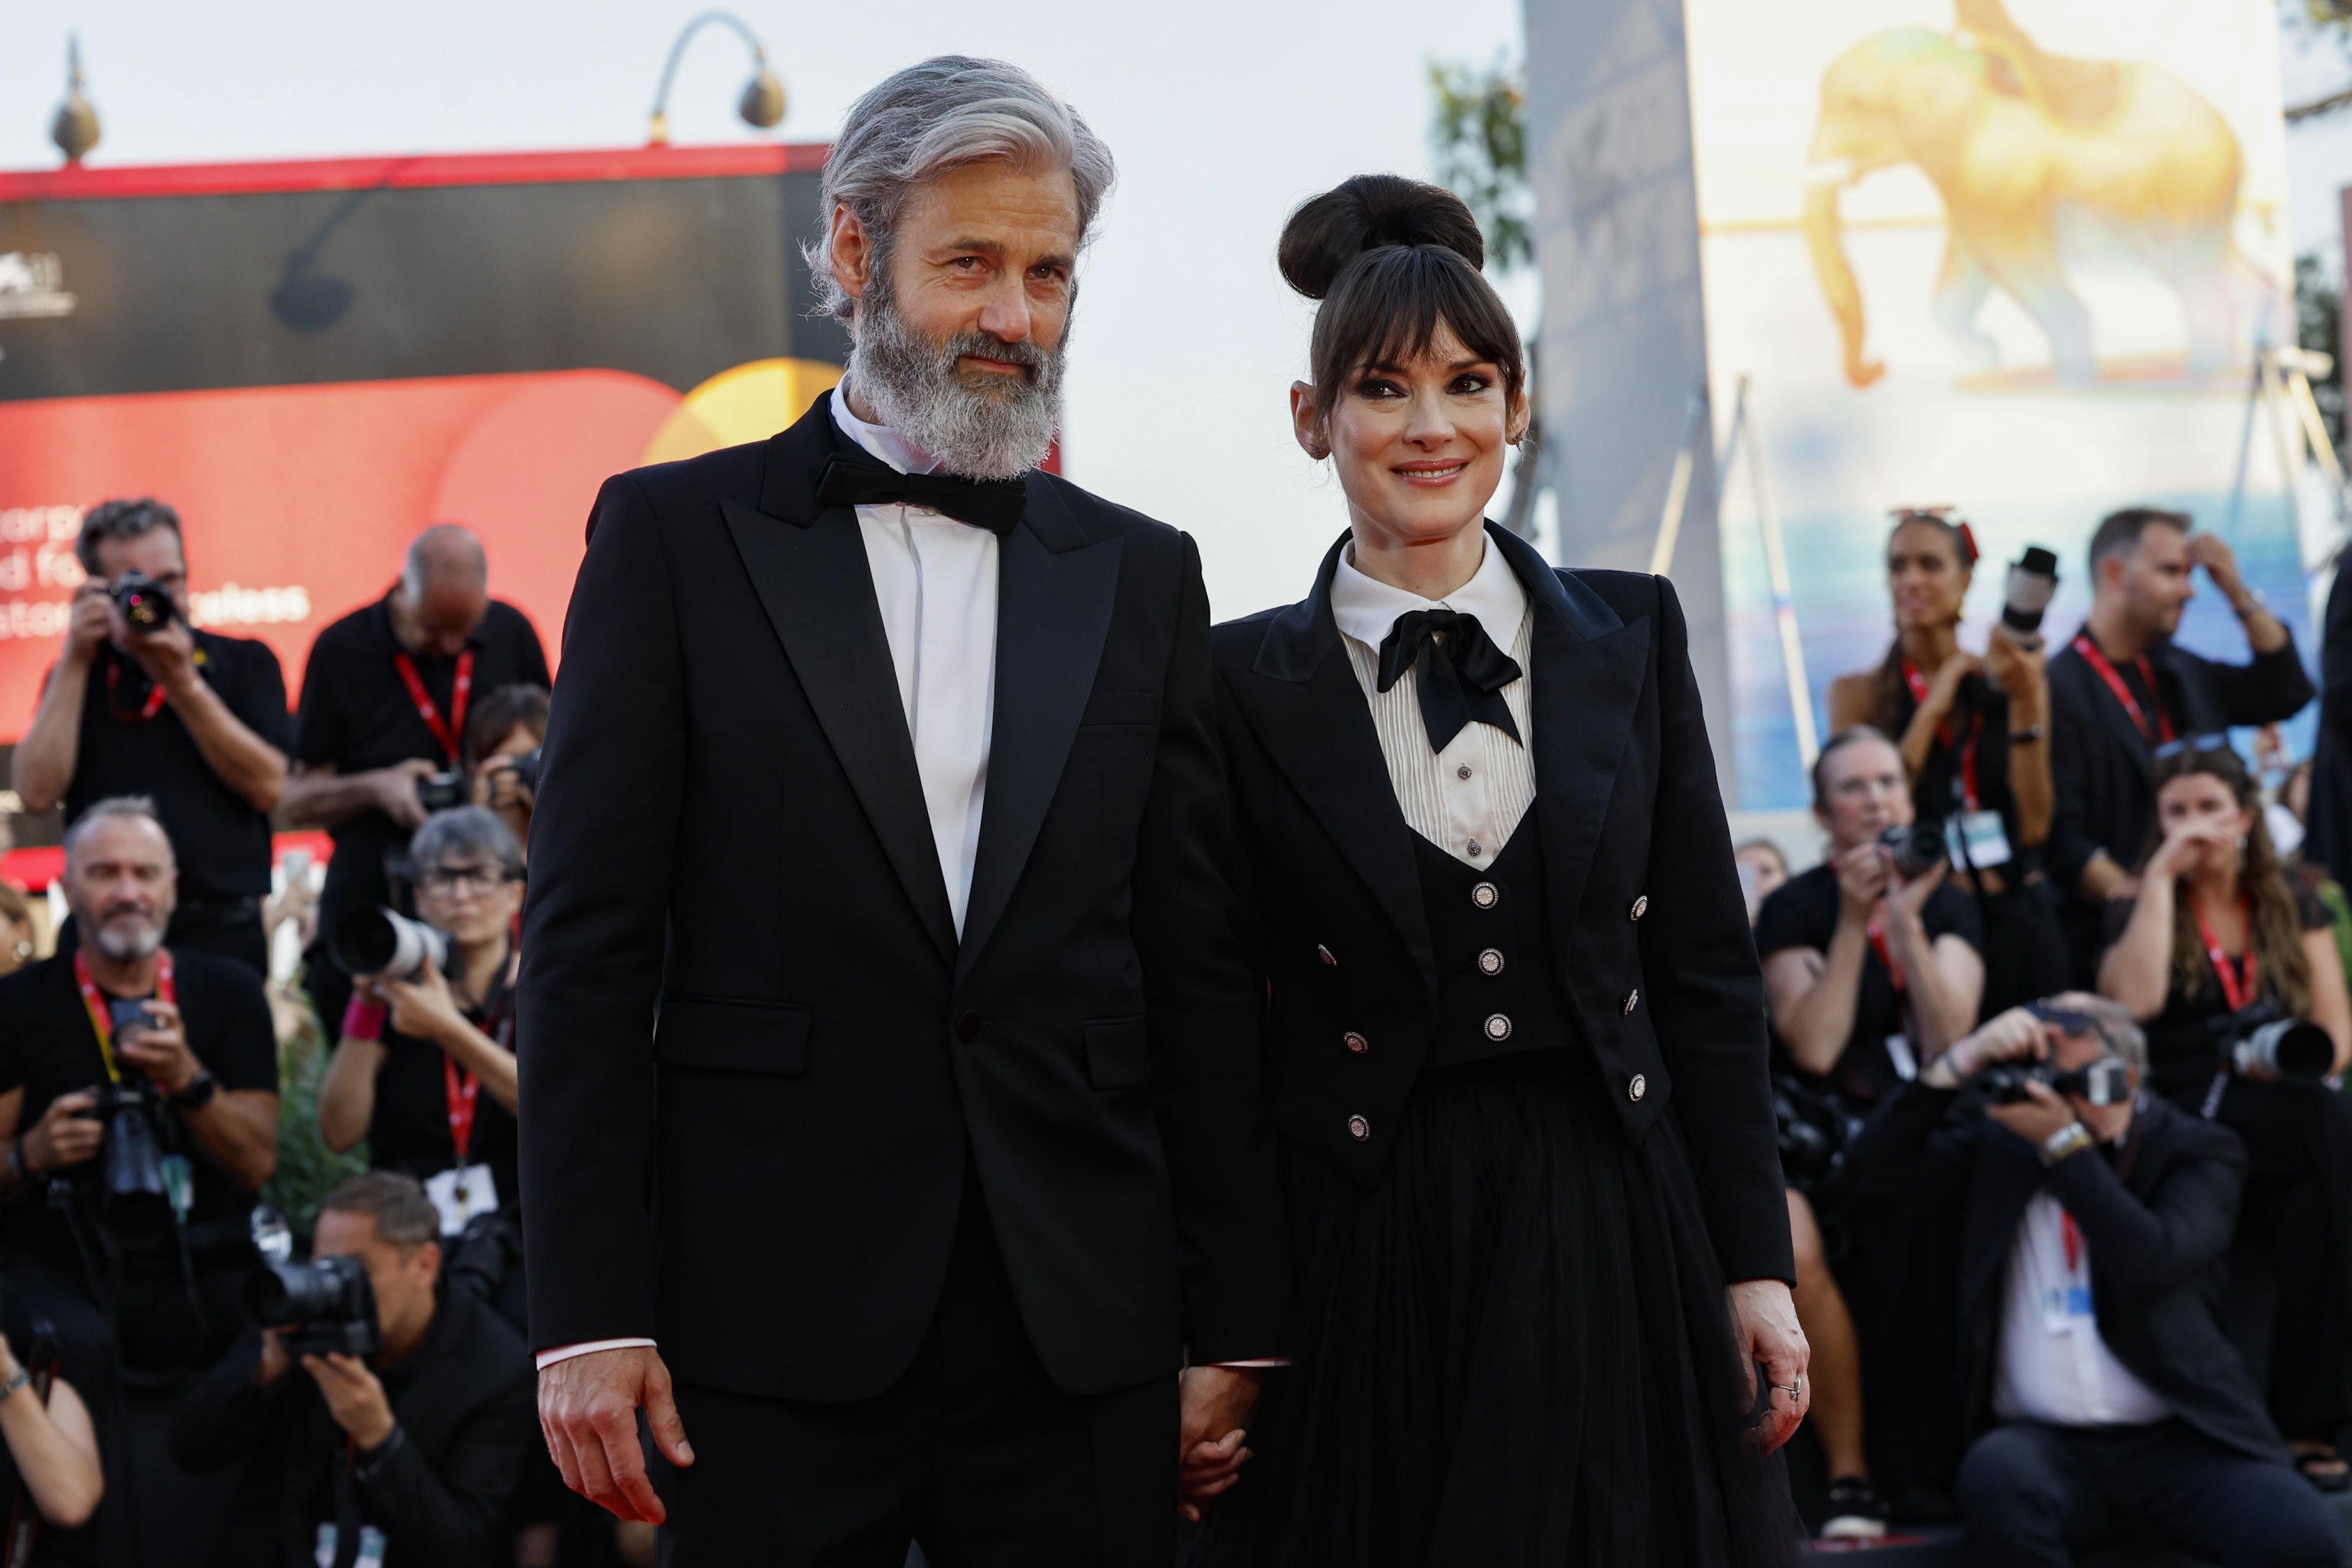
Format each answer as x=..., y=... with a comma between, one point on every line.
x=1776, y=565
x=1670, y=521
x=2246, y=445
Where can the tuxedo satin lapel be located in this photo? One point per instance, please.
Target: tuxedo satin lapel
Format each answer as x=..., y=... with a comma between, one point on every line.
x=1053, y=612
x=814, y=581
x=1582, y=704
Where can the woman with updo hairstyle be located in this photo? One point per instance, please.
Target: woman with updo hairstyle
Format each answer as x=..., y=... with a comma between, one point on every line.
x=1514, y=1037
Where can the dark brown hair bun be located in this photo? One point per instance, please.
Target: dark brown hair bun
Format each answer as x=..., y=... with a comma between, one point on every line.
x=1366, y=213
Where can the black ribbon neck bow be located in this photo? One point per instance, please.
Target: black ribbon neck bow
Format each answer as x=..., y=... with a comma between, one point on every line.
x=1462, y=672
x=853, y=479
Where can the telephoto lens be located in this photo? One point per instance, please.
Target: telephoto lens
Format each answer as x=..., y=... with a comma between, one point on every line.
x=2032, y=581
x=386, y=943
x=2286, y=1047
x=1916, y=846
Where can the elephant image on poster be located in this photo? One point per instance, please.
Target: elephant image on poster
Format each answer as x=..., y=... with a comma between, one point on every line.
x=2040, y=160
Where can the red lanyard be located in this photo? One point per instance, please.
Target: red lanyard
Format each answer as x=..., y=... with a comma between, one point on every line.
x=451, y=734
x=465, y=1097
x=2235, y=991
x=1918, y=684
x=2074, y=1235
x=2098, y=662
x=101, y=1016
x=1878, y=946
x=148, y=710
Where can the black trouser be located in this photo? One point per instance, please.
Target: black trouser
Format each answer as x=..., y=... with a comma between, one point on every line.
x=974, y=1453
x=2032, y=1494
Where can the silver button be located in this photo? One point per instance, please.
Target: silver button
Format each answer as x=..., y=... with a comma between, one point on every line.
x=1463, y=772
x=1637, y=1087
x=1632, y=996
x=1641, y=908
x=1358, y=1129
x=1325, y=954
x=1474, y=847
x=1490, y=961
x=1498, y=1027
x=1355, y=1042
x=1485, y=895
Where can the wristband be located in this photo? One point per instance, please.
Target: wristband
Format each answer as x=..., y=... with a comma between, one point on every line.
x=2071, y=1139
x=14, y=1383
x=364, y=1019
x=2028, y=736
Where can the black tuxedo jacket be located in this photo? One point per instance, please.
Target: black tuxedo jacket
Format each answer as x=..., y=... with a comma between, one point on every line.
x=732, y=833
x=1667, y=999
x=2158, y=1219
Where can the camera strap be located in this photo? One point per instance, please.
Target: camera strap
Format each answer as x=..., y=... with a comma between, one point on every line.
x=156, y=697
x=2237, y=991
x=101, y=1017
x=450, y=732
x=1967, y=749
x=2106, y=672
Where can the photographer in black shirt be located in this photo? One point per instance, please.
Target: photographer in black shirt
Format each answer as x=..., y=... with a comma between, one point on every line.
x=143, y=703
x=502, y=746
x=386, y=699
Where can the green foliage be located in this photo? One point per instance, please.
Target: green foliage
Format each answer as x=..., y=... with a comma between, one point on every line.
x=307, y=1169
x=1479, y=132
x=2319, y=326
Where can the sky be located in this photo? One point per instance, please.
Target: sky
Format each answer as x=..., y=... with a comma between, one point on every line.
x=1224, y=115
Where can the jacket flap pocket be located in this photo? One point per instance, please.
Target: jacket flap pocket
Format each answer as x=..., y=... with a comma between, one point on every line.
x=1121, y=708
x=732, y=1036
x=1119, y=1053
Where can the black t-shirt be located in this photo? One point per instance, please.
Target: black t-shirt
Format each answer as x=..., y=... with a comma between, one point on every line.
x=410, y=1128
x=1979, y=725
x=1802, y=912
x=357, y=715
x=221, y=842
x=48, y=1049
x=2183, y=1051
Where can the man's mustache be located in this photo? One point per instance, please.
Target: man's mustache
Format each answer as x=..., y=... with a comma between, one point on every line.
x=111, y=911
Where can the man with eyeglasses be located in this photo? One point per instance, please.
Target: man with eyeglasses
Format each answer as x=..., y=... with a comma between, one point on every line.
x=2120, y=691
x=142, y=702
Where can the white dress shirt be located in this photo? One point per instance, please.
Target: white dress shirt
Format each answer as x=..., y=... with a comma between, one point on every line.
x=935, y=580
x=2053, y=1364
x=1467, y=799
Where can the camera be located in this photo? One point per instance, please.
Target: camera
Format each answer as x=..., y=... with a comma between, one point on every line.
x=2262, y=1039
x=1916, y=847
x=483, y=1254
x=131, y=1183
x=526, y=769
x=2032, y=582
x=443, y=791
x=2106, y=1081
x=385, y=942
x=146, y=608
x=1813, y=1130
x=327, y=1304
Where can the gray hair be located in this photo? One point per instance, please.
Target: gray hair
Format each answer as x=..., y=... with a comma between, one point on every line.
x=2117, y=1029
x=114, y=808
x=929, y=120
x=395, y=1200
x=466, y=830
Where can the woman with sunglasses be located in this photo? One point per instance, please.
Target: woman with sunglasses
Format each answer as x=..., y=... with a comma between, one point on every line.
x=2219, y=925
x=1973, y=732
x=426, y=1068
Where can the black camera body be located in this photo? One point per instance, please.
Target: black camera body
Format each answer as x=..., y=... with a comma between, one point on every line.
x=131, y=1181
x=2260, y=1039
x=147, y=608
x=527, y=768
x=326, y=1306
x=1813, y=1129
x=443, y=791
x=1916, y=847
x=2106, y=1081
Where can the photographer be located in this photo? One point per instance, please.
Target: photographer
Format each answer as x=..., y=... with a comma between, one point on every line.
x=426, y=1068
x=1973, y=732
x=387, y=698
x=50, y=1473
x=502, y=743
x=138, y=1110
x=1867, y=973
x=2085, y=1226
x=410, y=1453
x=2219, y=927
x=2120, y=690
x=192, y=719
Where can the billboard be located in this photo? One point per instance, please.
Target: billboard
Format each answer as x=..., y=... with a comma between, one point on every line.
x=314, y=361
x=2012, y=257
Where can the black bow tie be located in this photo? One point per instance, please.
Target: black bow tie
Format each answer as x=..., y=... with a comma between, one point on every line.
x=853, y=479
x=1462, y=673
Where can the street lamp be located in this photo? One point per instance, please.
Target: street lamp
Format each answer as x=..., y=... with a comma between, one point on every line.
x=762, y=103
x=74, y=127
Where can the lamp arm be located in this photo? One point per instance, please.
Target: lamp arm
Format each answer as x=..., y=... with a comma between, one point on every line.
x=686, y=36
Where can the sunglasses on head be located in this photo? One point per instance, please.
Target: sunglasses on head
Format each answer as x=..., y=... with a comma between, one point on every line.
x=2186, y=744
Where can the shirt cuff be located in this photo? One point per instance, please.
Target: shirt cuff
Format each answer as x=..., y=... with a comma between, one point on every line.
x=1269, y=1361
x=565, y=1353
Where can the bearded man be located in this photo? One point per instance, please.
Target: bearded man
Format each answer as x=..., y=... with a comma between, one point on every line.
x=891, y=1124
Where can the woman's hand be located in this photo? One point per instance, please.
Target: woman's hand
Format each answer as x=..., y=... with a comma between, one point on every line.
x=1908, y=899
x=2019, y=671
x=1764, y=1329
x=1864, y=877
x=2172, y=857
x=424, y=1008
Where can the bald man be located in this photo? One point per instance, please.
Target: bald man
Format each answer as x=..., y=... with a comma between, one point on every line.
x=385, y=701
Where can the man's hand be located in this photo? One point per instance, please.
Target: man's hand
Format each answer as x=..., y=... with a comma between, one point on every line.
x=160, y=1049
x=2209, y=551
x=1764, y=1329
x=2038, y=1117
x=394, y=789
x=65, y=1136
x=1212, y=1402
x=90, y=624
x=354, y=1397
x=423, y=1009
x=588, y=1412
x=168, y=655
x=273, y=1363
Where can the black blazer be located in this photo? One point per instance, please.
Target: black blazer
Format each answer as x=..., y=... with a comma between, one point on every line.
x=732, y=827
x=2103, y=768
x=2330, y=839
x=1670, y=1004
x=2158, y=1221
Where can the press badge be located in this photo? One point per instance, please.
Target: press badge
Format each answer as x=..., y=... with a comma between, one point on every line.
x=1898, y=1053
x=460, y=1192
x=179, y=1185
x=1982, y=842
x=371, y=1547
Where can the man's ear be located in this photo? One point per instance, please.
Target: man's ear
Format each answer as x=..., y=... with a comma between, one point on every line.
x=1305, y=424
x=851, y=250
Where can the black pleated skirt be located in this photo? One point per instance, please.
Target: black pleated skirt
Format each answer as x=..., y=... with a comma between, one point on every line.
x=1513, y=1351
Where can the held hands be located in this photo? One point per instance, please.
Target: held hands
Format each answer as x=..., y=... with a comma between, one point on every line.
x=67, y=1134
x=1764, y=1329
x=160, y=1049
x=355, y=1399
x=588, y=1412
x=1212, y=1404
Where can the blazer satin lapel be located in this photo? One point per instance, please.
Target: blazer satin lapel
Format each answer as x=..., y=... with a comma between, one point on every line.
x=1054, y=611
x=814, y=582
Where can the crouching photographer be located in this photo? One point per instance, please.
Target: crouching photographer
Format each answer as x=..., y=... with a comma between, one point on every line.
x=2231, y=962
x=2101, y=1401
x=389, y=1418
x=139, y=1105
